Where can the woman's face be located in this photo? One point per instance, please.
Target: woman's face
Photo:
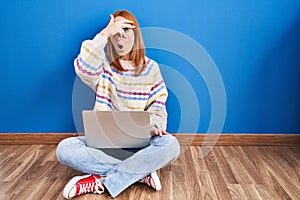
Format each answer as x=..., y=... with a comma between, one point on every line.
x=123, y=44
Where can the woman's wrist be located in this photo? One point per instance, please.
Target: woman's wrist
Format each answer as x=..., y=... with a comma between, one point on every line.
x=104, y=33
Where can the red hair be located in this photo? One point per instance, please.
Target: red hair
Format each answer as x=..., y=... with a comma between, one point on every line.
x=137, y=55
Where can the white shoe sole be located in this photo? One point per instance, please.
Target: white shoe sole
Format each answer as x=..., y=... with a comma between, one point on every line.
x=71, y=184
x=156, y=180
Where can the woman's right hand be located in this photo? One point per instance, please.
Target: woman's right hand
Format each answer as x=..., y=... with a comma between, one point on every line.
x=116, y=27
x=155, y=131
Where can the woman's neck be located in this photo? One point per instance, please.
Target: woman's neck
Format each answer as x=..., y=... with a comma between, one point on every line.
x=126, y=64
x=126, y=57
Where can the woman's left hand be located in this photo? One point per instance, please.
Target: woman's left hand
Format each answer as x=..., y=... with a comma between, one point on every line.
x=155, y=131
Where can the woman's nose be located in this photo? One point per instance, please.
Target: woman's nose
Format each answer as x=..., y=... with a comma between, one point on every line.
x=119, y=37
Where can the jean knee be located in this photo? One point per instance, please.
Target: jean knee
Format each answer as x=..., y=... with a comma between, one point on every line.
x=175, y=147
x=170, y=144
x=66, y=146
x=60, y=150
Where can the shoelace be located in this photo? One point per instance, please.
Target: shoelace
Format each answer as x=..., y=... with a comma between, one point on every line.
x=147, y=180
x=95, y=187
x=99, y=186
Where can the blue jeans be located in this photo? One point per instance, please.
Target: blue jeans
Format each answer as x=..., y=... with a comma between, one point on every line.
x=120, y=174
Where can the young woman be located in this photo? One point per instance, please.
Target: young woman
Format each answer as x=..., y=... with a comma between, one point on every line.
x=124, y=79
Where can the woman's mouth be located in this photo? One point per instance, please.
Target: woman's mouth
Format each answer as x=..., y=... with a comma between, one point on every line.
x=120, y=47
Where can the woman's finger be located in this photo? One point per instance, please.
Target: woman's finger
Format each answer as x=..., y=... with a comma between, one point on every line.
x=165, y=132
x=122, y=32
x=126, y=21
x=160, y=133
x=112, y=19
x=127, y=26
x=153, y=131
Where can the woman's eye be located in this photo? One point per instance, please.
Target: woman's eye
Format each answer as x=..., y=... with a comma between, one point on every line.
x=125, y=29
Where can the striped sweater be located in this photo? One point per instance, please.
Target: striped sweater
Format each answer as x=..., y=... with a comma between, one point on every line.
x=124, y=91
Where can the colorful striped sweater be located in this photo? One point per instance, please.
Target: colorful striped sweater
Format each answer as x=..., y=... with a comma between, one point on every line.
x=117, y=90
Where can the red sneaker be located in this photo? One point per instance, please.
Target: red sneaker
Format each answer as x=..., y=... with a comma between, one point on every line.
x=82, y=185
x=152, y=180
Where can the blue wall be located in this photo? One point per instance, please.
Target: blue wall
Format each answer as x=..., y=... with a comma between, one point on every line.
x=254, y=44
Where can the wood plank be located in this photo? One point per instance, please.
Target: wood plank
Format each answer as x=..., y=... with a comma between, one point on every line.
x=284, y=175
x=224, y=167
x=236, y=191
x=251, y=191
x=182, y=179
x=167, y=185
x=184, y=139
x=270, y=186
x=247, y=165
x=265, y=193
x=216, y=176
x=236, y=165
x=207, y=189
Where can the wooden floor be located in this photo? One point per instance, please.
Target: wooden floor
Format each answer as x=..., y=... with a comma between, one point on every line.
x=226, y=172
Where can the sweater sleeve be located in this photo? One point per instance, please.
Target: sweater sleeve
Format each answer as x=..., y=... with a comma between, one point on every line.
x=91, y=60
x=157, y=100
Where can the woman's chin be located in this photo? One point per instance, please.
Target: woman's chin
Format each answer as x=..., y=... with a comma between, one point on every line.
x=122, y=53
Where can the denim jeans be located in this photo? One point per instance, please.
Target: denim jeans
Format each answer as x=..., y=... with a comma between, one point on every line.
x=120, y=174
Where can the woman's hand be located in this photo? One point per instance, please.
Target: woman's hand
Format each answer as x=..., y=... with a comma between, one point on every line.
x=155, y=131
x=116, y=27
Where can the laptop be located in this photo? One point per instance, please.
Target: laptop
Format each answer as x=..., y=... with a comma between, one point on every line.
x=116, y=129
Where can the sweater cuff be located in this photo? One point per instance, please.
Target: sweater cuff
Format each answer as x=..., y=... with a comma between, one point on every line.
x=99, y=39
x=156, y=123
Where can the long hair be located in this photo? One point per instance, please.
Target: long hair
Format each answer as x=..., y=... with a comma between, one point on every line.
x=137, y=55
